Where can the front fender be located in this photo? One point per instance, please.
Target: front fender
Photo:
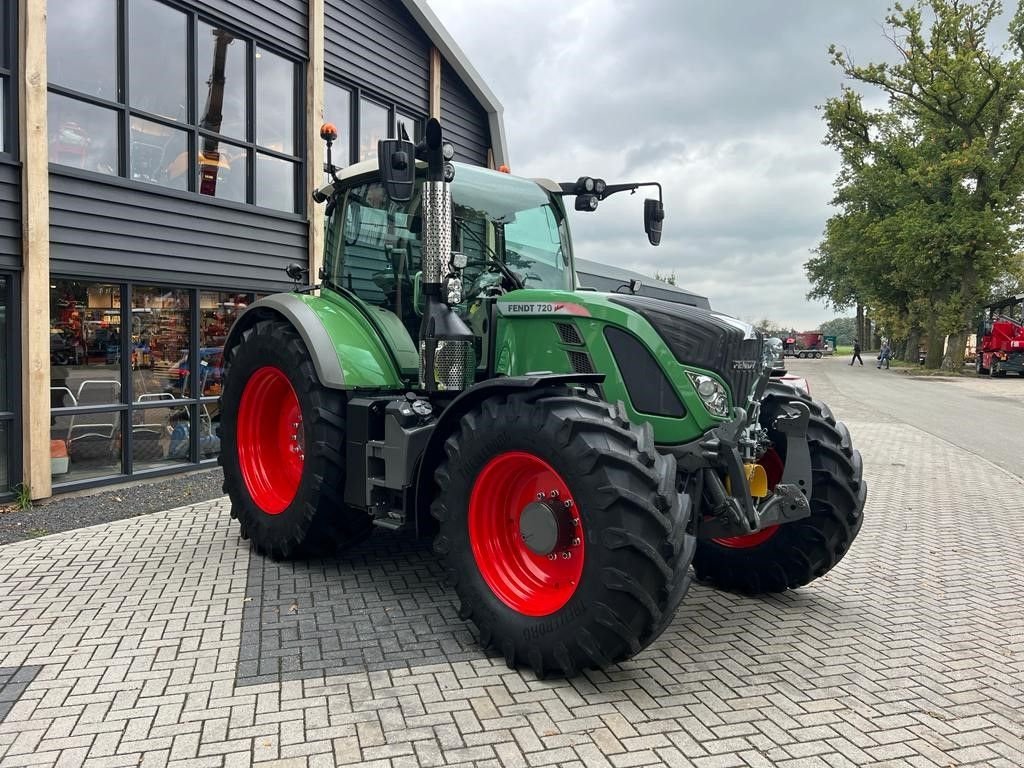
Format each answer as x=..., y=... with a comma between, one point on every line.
x=347, y=352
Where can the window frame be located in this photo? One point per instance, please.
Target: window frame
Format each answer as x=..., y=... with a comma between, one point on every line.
x=357, y=94
x=8, y=70
x=125, y=112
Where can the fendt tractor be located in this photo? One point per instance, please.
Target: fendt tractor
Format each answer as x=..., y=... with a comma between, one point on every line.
x=571, y=452
x=1001, y=338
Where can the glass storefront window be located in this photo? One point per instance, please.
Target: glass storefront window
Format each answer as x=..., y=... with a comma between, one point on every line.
x=411, y=125
x=275, y=102
x=275, y=182
x=82, y=135
x=159, y=154
x=338, y=110
x=157, y=46
x=81, y=51
x=84, y=446
x=222, y=91
x=85, y=343
x=373, y=126
x=162, y=437
x=161, y=328
x=222, y=169
x=119, y=114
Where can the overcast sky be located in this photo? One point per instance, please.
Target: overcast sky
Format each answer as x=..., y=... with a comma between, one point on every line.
x=714, y=98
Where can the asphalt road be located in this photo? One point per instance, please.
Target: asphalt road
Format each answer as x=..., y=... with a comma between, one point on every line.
x=982, y=415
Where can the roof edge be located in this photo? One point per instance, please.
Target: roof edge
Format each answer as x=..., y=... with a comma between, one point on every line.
x=458, y=61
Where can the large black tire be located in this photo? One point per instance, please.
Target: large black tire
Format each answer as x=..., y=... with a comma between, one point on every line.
x=316, y=521
x=807, y=549
x=637, y=555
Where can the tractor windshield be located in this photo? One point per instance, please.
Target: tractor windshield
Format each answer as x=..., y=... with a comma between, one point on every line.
x=373, y=243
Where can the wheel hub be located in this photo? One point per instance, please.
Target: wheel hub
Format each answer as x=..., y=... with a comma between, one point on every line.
x=544, y=529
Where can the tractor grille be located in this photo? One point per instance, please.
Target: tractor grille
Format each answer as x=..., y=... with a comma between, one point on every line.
x=569, y=334
x=707, y=340
x=580, y=362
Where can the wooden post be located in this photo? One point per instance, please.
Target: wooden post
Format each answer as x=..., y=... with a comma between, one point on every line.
x=35, y=248
x=435, y=83
x=314, y=144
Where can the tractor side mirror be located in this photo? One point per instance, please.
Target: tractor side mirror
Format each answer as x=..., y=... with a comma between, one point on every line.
x=635, y=286
x=397, y=162
x=654, y=215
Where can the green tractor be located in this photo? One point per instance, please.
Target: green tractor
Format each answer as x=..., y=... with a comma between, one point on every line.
x=572, y=453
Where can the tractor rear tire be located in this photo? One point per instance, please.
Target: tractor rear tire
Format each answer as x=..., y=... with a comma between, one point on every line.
x=611, y=584
x=794, y=554
x=282, y=448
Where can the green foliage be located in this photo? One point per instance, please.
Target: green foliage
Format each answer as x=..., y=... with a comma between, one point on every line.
x=929, y=194
x=843, y=328
x=23, y=496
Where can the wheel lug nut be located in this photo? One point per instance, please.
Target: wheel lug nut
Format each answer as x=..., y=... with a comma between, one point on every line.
x=540, y=496
x=575, y=542
x=554, y=494
x=575, y=522
x=567, y=503
x=552, y=556
x=566, y=555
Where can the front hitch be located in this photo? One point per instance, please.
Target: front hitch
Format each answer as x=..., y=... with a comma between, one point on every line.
x=732, y=511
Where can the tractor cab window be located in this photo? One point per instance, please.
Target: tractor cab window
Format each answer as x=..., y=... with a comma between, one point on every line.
x=373, y=243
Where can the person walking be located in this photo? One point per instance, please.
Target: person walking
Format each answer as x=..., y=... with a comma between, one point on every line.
x=856, y=353
x=884, y=355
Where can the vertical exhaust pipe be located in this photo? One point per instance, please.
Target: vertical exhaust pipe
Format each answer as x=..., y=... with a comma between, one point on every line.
x=446, y=344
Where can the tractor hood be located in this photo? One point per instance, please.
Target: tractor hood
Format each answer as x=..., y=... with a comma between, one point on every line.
x=705, y=339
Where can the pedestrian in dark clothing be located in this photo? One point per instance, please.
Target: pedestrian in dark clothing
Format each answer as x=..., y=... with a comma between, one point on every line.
x=856, y=353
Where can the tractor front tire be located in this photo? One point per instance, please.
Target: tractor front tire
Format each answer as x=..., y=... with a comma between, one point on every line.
x=562, y=529
x=282, y=448
x=792, y=555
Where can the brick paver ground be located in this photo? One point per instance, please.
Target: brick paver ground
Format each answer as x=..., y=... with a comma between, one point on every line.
x=161, y=641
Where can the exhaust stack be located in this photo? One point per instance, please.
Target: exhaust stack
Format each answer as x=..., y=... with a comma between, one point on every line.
x=446, y=344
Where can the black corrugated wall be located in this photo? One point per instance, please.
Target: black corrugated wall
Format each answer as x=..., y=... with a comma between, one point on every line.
x=377, y=45
x=10, y=215
x=465, y=121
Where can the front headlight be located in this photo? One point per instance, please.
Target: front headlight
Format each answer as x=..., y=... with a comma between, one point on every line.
x=711, y=393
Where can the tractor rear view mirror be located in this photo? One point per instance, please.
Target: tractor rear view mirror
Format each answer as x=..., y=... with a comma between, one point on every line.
x=654, y=215
x=397, y=162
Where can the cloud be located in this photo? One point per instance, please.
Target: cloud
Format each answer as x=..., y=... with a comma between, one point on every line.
x=716, y=100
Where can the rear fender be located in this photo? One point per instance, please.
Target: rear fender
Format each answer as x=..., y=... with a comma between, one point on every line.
x=347, y=352
x=459, y=407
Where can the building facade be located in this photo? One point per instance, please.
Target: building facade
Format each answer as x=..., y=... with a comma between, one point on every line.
x=155, y=176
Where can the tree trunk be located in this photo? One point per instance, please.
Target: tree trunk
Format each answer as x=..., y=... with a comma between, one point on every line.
x=953, y=360
x=876, y=338
x=913, y=345
x=935, y=341
x=860, y=324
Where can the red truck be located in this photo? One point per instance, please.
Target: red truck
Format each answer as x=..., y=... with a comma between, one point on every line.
x=1001, y=338
x=806, y=344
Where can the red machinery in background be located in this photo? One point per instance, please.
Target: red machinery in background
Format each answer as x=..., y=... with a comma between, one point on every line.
x=806, y=344
x=1001, y=338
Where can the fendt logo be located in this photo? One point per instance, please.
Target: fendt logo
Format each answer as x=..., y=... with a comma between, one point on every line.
x=744, y=365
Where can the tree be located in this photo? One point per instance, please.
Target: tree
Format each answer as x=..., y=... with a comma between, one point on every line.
x=843, y=328
x=930, y=188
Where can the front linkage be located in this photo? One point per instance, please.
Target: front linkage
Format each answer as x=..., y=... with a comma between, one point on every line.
x=731, y=450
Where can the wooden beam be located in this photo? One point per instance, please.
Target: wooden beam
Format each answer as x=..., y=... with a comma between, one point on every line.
x=314, y=144
x=35, y=247
x=435, y=83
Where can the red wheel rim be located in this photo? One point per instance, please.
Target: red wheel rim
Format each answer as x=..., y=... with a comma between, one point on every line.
x=527, y=582
x=773, y=468
x=270, y=439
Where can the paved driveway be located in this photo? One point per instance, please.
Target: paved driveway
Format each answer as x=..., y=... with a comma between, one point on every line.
x=162, y=641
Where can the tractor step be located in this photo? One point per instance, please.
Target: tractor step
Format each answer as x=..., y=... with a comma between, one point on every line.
x=388, y=523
